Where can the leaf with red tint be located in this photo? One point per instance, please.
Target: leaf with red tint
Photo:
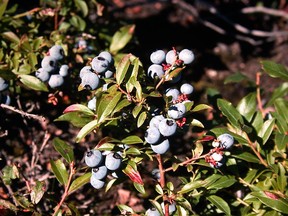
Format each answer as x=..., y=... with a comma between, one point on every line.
x=207, y=139
x=106, y=140
x=271, y=195
x=78, y=108
x=133, y=174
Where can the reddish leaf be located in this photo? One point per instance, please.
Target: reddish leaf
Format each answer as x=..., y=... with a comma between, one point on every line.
x=133, y=174
x=207, y=139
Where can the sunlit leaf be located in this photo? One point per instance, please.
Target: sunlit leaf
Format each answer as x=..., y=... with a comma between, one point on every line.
x=275, y=70
x=121, y=38
x=220, y=204
x=60, y=171
x=79, y=182
x=64, y=149
x=86, y=129
x=33, y=82
x=37, y=192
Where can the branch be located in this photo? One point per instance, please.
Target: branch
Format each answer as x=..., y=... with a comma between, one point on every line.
x=265, y=10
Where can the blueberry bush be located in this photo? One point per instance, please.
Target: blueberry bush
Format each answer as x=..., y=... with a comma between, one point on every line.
x=132, y=127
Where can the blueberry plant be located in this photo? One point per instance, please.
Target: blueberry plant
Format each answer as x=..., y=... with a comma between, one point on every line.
x=234, y=164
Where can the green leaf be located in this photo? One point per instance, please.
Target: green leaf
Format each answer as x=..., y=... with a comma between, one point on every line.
x=139, y=187
x=133, y=139
x=59, y=170
x=37, y=42
x=3, y=7
x=79, y=108
x=191, y=186
x=125, y=209
x=77, y=119
x=64, y=149
x=275, y=70
x=11, y=36
x=246, y=156
x=121, y=38
x=37, y=192
x=79, y=182
x=278, y=204
x=141, y=119
x=230, y=112
x=86, y=129
x=122, y=68
x=201, y=107
x=33, y=82
x=157, y=206
x=81, y=5
x=10, y=173
x=235, y=78
x=220, y=204
x=123, y=103
x=78, y=22
x=133, y=151
x=282, y=178
x=105, y=109
x=266, y=130
x=197, y=123
x=8, y=205
x=223, y=182
x=247, y=106
x=281, y=107
x=281, y=141
x=136, y=110
x=279, y=92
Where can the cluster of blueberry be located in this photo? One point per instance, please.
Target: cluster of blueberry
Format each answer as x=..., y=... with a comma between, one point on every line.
x=154, y=212
x=101, y=67
x=50, y=70
x=4, y=98
x=162, y=61
x=102, y=163
x=223, y=142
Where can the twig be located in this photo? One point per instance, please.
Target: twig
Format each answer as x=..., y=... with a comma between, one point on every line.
x=265, y=10
x=72, y=172
x=25, y=114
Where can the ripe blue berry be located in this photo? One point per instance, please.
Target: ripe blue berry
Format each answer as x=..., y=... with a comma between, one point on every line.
x=107, y=55
x=84, y=70
x=93, y=158
x=186, y=88
x=217, y=156
x=92, y=103
x=42, y=75
x=55, y=81
x=154, y=122
x=100, y=64
x=171, y=57
x=3, y=84
x=172, y=207
x=113, y=161
x=226, y=140
x=162, y=147
x=152, y=135
x=157, y=57
x=173, y=92
x=64, y=69
x=167, y=127
x=56, y=52
x=156, y=173
x=155, y=71
x=100, y=172
x=96, y=183
x=5, y=99
x=90, y=81
x=152, y=212
x=177, y=111
x=187, y=56
x=217, y=164
x=48, y=63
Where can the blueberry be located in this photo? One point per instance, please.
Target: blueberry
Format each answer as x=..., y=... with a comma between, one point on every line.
x=187, y=56
x=152, y=212
x=156, y=173
x=100, y=64
x=186, y=88
x=93, y=158
x=154, y=122
x=152, y=135
x=173, y=92
x=3, y=84
x=55, y=81
x=92, y=103
x=48, y=63
x=64, y=69
x=5, y=99
x=96, y=183
x=157, y=57
x=42, y=75
x=108, y=74
x=155, y=71
x=113, y=161
x=177, y=111
x=90, y=81
x=167, y=127
x=100, y=172
x=107, y=55
x=82, y=43
x=56, y=52
x=218, y=164
x=162, y=147
x=171, y=57
x=84, y=70
x=172, y=207
x=217, y=156
x=226, y=140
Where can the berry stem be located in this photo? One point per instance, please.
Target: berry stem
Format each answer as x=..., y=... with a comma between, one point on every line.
x=65, y=194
